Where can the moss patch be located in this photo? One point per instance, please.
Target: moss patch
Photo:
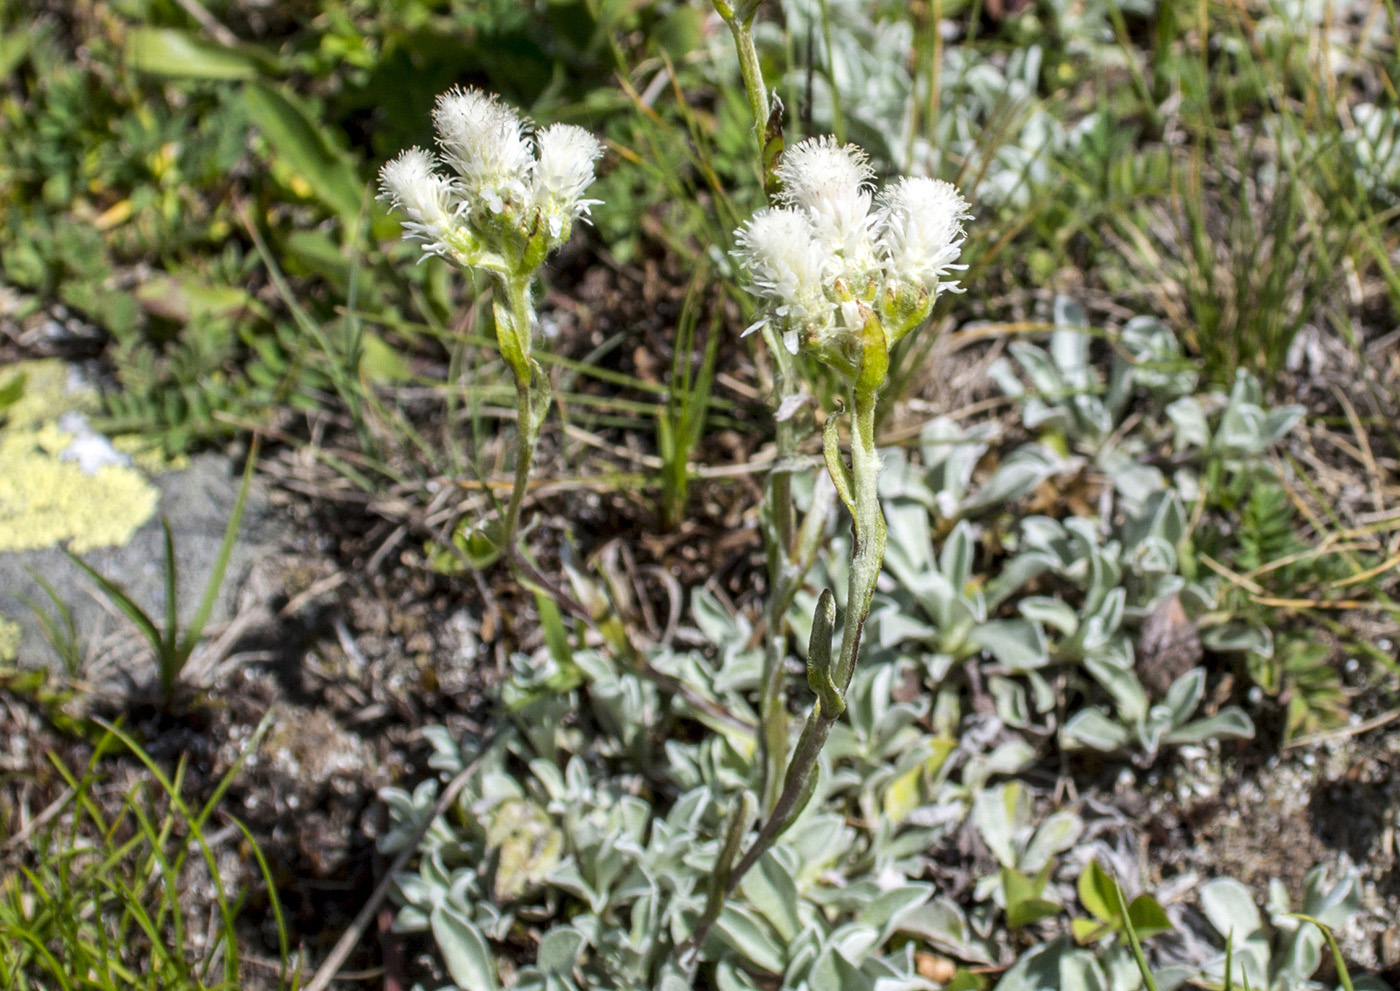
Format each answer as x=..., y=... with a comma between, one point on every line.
x=45, y=500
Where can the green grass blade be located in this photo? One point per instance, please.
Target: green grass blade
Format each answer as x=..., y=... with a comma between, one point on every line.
x=1148, y=980
x=1343, y=974
x=216, y=577
x=169, y=664
x=119, y=598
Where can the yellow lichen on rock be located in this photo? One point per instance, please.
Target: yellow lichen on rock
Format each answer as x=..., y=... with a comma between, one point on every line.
x=50, y=390
x=10, y=633
x=45, y=500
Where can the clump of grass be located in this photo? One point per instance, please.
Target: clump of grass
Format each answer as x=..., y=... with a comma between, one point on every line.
x=103, y=900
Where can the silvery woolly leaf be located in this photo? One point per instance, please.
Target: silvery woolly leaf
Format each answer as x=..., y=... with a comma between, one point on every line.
x=559, y=950
x=1134, y=481
x=772, y=889
x=1241, y=637
x=1054, y=836
x=1079, y=971
x=950, y=456
x=1332, y=906
x=713, y=621
x=1093, y=728
x=1278, y=422
x=1229, y=723
x=955, y=560
x=744, y=932
x=1017, y=476
x=1185, y=694
x=1069, y=347
x=909, y=551
x=1038, y=969
x=999, y=813
x=1001, y=372
x=731, y=978
x=1051, y=612
x=1012, y=705
x=1017, y=643
x=886, y=911
x=464, y=950
x=1189, y=422
x=1122, y=683
x=1230, y=908
x=1046, y=379
x=943, y=925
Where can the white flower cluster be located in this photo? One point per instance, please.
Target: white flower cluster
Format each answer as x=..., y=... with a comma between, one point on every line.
x=833, y=256
x=515, y=194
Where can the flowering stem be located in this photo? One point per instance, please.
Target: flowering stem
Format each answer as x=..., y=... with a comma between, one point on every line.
x=861, y=492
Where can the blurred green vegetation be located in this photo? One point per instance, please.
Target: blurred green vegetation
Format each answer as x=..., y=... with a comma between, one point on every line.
x=1199, y=158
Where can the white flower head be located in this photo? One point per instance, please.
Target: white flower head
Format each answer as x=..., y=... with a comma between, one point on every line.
x=563, y=172
x=485, y=141
x=412, y=184
x=921, y=232
x=832, y=182
x=788, y=268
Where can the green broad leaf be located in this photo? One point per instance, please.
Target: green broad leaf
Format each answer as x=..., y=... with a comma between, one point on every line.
x=1098, y=892
x=556, y=636
x=464, y=950
x=1086, y=931
x=183, y=54
x=1147, y=916
x=1023, y=902
x=298, y=143
x=966, y=980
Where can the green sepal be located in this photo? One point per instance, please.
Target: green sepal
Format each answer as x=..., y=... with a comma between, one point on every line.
x=874, y=358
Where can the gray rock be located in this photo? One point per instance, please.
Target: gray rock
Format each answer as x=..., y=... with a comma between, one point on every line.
x=198, y=502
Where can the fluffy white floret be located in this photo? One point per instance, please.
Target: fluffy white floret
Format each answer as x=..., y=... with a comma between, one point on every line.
x=787, y=266
x=563, y=172
x=817, y=171
x=832, y=182
x=921, y=232
x=412, y=185
x=485, y=141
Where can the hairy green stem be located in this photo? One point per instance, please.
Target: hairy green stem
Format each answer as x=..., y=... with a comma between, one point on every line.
x=868, y=522
x=515, y=331
x=742, y=28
